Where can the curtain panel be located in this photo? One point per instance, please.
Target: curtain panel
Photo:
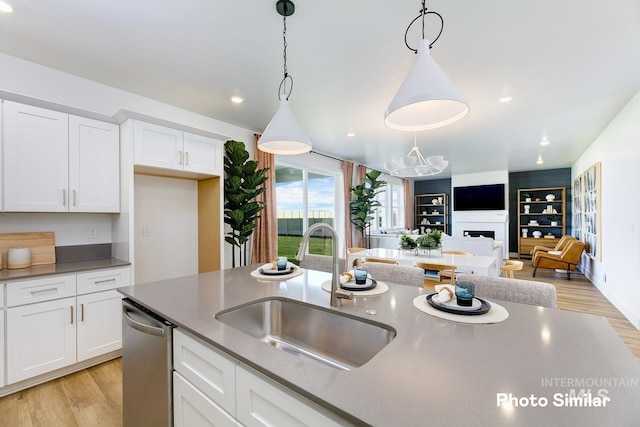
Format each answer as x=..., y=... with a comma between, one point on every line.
x=264, y=244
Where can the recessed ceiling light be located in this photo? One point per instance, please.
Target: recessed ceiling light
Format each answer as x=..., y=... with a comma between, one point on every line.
x=545, y=142
x=539, y=161
x=351, y=134
x=237, y=99
x=505, y=99
x=5, y=7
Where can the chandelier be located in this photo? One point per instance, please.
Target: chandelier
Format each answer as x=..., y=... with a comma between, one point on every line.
x=414, y=164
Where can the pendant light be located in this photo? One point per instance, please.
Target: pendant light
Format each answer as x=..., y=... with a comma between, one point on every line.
x=427, y=99
x=283, y=134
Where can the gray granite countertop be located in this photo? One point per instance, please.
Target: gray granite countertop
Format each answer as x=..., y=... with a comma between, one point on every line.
x=435, y=372
x=61, y=268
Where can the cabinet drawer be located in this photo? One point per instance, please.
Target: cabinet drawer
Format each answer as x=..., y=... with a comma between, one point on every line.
x=103, y=280
x=31, y=291
x=192, y=408
x=262, y=402
x=210, y=371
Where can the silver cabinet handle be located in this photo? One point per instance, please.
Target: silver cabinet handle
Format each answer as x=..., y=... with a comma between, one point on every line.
x=181, y=157
x=71, y=314
x=43, y=291
x=186, y=157
x=82, y=312
x=100, y=282
x=74, y=197
x=64, y=197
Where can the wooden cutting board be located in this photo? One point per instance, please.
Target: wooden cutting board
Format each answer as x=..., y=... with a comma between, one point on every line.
x=42, y=244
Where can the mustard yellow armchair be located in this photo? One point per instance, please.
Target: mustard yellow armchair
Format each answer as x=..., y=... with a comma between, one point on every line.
x=567, y=260
x=562, y=243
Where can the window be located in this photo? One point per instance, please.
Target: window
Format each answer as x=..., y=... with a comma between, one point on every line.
x=390, y=213
x=305, y=197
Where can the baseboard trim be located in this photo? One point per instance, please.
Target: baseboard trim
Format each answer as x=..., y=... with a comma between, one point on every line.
x=22, y=385
x=628, y=312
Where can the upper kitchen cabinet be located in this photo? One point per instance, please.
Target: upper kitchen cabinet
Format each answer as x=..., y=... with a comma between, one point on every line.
x=94, y=165
x=170, y=149
x=54, y=162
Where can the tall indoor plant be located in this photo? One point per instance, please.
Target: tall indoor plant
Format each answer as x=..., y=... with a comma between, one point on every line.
x=363, y=204
x=243, y=182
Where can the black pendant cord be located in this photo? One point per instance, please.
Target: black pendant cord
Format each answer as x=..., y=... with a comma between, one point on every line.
x=286, y=76
x=423, y=13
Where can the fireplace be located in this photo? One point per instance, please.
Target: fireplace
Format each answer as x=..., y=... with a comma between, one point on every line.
x=480, y=233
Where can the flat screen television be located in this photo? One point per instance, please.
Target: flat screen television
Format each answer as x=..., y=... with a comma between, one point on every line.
x=479, y=198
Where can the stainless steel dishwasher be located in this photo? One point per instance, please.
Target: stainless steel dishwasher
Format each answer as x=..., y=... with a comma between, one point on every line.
x=146, y=367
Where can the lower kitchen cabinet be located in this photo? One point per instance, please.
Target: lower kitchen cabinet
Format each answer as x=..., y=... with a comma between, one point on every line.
x=41, y=337
x=213, y=389
x=51, y=323
x=1, y=336
x=98, y=328
x=192, y=408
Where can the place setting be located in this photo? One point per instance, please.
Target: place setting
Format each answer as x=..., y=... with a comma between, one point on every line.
x=281, y=269
x=359, y=281
x=459, y=303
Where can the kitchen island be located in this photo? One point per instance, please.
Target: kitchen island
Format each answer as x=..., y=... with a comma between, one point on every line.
x=435, y=372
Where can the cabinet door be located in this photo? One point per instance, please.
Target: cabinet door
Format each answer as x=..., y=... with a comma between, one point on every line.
x=202, y=154
x=94, y=166
x=260, y=402
x=40, y=338
x=35, y=159
x=158, y=146
x=206, y=368
x=192, y=408
x=99, y=324
x=1, y=345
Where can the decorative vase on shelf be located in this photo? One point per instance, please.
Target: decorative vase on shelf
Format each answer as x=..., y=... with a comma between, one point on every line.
x=550, y=197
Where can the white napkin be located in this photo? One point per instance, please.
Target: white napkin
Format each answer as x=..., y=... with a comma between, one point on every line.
x=445, y=292
x=345, y=277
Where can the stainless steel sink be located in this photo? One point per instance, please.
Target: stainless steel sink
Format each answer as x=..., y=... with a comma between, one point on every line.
x=325, y=336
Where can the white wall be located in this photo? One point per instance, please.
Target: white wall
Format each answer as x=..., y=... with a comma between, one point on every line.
x=618, y=150
x=165, y=228
x=69, y=228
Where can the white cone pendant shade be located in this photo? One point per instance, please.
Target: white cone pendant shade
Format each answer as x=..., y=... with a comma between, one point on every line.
x=427, y=98
x=284, y=135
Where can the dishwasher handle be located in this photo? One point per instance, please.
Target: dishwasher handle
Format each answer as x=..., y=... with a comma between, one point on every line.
x=147, y=329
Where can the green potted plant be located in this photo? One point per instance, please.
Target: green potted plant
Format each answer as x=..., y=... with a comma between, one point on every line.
x=430, y=240
x=554, y=220
x=363, y=204
x=527, y=197
x=242, y=183
x=407, y=242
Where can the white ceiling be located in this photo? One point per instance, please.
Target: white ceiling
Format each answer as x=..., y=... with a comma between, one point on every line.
x=570, y=66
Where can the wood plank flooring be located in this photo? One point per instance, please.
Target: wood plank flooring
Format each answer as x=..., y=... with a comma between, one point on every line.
x=93, y=397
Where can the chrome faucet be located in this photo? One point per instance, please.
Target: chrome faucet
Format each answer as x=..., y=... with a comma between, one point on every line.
x=337, y=294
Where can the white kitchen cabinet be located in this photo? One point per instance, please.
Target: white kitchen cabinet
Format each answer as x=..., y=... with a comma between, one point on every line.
x=211, y=388
x=99, y=329
x=94, y=166
x=262, y=402
x=40, y=338
x=56, y=321
x=54, y=162
x=2, y=335
x=166, y=148
x=35, y=159
x=192, y=408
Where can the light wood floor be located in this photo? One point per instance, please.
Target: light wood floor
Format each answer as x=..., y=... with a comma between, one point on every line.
x=93, y=397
